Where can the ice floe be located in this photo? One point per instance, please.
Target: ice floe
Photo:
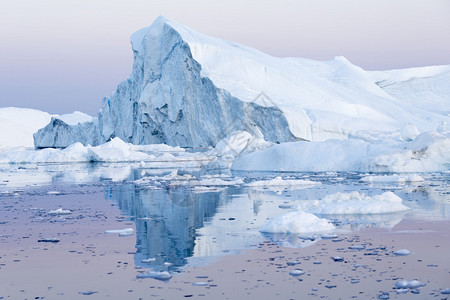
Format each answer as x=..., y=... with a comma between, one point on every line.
x=121, y=232
x=355, y=203
x=297, y=222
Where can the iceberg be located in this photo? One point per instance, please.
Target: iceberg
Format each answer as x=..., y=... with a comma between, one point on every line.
x=191, y=90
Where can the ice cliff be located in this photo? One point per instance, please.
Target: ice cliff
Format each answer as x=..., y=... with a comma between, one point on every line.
x=187, y=89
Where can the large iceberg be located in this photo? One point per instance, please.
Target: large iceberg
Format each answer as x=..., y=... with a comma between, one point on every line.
x=187, y=89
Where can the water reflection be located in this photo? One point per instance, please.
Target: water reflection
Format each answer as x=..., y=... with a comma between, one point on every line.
x=179, y=225
x=166, y=222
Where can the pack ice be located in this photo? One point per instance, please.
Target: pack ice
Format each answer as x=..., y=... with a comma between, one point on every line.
x=188, y=89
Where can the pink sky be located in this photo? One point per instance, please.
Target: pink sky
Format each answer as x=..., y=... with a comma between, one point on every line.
x=61, y=56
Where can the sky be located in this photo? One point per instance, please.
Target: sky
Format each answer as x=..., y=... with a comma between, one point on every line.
x=65, y=55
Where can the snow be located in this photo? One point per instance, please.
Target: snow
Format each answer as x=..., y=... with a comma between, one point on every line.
x=296, y=222
x=355, y=203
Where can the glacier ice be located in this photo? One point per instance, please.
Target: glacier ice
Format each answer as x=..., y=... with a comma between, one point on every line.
x=187, y=89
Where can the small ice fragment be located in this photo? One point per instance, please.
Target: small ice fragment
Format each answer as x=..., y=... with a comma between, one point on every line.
x=445, y=291
x=87, y=293
x=296, y=272
x=293, y=263
x=358, y=247
x=201, y=283
x=402, y=291
x=155, y=275
x=402, y=252
x=337, y=258
x=415, y=291
x=121, y=232
x=329, y=236
x=403, y=284
x=317, y=262
x=353, y=281
x=168, y=264
x=415, y=284
x=148, y=260
x=60, y=211
x=48, y=240
x=383, y=295
x=53, y=193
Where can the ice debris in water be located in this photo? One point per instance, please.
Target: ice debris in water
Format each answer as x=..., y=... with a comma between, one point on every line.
x=59, y=211
x=296, y=272
x=402, y=252
x=155, y=275
x=148, y=260
x=355, y=203
x=200, y=283
x=445, y=291
x=414, y=284
x=393, y=178
x=121, y=232
x=296, y=222
x=87, y=293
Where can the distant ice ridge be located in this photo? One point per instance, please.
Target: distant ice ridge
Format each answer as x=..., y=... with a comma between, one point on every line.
x=187, y=89
x=113, y=151
x=355, y=203
x=17, y=125
x=428, y=152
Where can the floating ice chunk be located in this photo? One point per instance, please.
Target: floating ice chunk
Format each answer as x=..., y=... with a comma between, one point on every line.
x=148, y=260
x=293, y=263
x=409, y=132
x=356, y=203
x=200, y=283
x=87, y=293
x=402, y=291
x=155, y=275
x=393, y=178
x=358, y=247
x=414, y=284
x=402, y=252
x=121, y=232
x=445, y=291
x=49, y=240
x=60, y=211
x=296, y=272
x=296, y=222
x=279, y=181
x=337, y=258
x=329, y=236
x=53, y=193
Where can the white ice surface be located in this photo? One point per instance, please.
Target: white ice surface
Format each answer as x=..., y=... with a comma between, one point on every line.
x=428, y=152
x=355, y=203
x=297, y=222
x=17, y=126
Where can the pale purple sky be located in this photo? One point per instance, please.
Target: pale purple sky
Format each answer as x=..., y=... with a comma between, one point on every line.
x=66, y=55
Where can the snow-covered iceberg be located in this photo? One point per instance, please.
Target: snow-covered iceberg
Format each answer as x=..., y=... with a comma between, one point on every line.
x=187, y=89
